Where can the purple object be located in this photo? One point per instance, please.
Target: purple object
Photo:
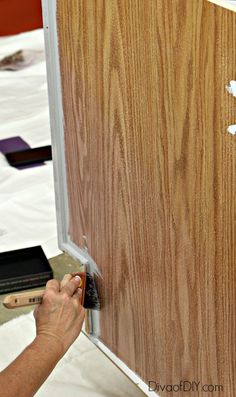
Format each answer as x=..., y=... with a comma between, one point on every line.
x=16, y=144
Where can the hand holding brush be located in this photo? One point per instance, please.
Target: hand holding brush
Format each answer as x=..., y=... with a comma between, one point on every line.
x=89, y=296
x=59, y=320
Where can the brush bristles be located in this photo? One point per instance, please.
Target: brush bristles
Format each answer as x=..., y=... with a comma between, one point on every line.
x=91, y=299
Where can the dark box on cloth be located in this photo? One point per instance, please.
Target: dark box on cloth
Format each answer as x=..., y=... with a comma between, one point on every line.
x=23, y=269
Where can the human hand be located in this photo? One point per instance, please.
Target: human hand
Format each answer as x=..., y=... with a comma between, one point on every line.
x=61, y=315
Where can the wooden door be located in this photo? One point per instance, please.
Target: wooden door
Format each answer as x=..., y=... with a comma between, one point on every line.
x=151, y=178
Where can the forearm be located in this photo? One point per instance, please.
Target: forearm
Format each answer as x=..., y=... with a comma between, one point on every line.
x=24, y=376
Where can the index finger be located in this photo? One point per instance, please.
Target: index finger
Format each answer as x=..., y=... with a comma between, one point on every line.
x=71, y=286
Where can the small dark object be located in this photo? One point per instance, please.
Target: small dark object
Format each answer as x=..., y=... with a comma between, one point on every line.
x=9, y=62
x=24, y=268
x=29, y=156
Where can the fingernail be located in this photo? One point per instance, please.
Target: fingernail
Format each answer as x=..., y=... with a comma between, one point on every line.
x=78, y=279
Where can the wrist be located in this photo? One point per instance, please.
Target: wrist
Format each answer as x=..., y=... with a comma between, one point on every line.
x=49, y=343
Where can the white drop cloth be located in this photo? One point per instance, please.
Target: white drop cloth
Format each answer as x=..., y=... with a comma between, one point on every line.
x=27, y=205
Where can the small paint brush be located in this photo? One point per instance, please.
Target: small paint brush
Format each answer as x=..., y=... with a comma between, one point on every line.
x=89, y=297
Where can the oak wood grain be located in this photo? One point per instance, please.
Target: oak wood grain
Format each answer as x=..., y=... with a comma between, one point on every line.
x=151, y=179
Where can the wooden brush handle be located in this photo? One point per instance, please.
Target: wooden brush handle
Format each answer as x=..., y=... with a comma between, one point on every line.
x=23, y=299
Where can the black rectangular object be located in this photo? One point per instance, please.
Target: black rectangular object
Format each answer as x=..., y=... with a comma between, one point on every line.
x=29, y=156
x=23, y=269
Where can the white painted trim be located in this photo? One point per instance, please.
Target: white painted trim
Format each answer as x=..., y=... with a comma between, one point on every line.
x=123, y=367
x=56, y=119
x=59, y=164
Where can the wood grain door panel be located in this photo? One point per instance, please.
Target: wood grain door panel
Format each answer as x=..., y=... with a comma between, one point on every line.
x=151, y=178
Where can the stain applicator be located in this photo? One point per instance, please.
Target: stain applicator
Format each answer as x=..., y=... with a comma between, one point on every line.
x=89, y=298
